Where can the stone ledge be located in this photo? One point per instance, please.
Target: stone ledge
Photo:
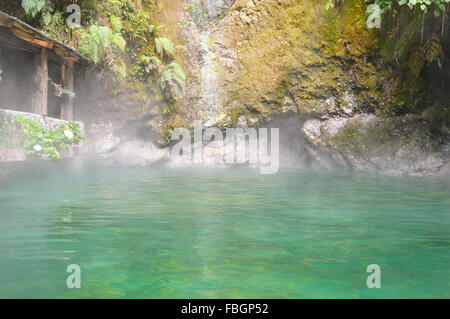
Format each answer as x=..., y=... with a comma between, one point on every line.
x=20, y=154
x=13, y=155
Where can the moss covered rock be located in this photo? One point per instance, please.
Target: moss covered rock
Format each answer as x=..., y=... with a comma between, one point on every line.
x=296, y=55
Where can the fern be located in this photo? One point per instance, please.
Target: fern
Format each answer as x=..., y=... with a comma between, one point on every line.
x=418, y=59
x=434, y=50
x=407, y=36
x=118, y=40
x=177, y=70
x=120, y=68
x=98, y=41
x=164, y=46
x=427, y=54
x=33, y=7
x=173, y=81
x=116, y=23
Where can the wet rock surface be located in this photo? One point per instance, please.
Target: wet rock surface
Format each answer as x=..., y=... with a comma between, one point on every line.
x=255, y=63
x=401, y=146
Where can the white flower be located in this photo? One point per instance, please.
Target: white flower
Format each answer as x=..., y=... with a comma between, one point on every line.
x=68, y=134
x=37, y=148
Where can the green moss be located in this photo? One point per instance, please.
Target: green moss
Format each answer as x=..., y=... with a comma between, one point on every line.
x=302, y=50
x=283, y=88
x=361, y=140
x=234, y=115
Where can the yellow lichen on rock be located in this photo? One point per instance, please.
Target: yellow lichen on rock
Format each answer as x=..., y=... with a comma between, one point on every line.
x=297, y=49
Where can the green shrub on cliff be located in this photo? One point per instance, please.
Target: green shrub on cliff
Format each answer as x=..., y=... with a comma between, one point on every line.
x=117, y=35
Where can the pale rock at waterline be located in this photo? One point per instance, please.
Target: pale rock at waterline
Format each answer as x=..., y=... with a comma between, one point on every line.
x=334, y=125
x=104, y=145
x=311, y=128
x=139, y=154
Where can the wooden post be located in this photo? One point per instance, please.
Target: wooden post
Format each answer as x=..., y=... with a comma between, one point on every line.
x=63, y=83
x=40, y=83
x=44, y=83
x=36, y=101
x=67, y=106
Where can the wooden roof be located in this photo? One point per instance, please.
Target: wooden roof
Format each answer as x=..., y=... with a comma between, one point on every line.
x=17, y=34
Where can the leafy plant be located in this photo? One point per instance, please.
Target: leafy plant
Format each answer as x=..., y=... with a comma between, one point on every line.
x=98, y=40
x=422, y=5
x=164, y=46
x=33, y=7
x=118, y=36
x=172, y=80
x=155, y=65
x=426, y=54
x=45, y=143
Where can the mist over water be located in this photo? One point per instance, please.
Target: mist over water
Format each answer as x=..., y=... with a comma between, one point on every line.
x=141, y=227
x=158, y=233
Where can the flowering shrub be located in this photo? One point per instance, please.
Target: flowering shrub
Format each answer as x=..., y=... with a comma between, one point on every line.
x=45, y=143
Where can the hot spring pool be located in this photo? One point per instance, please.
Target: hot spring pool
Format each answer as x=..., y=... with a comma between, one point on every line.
x=231, y=233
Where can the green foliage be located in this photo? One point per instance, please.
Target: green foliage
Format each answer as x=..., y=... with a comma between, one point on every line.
x=45, y=143
x=154, y=58
x=139, y=28
x=410, y=35
x=117, y=37
x=172, y=80
x=33, y=7
x=42, y=8
x=234, y=114
x=422, y=5
x=116, y=24
x=99, y=40
x=427, y=54
x=425, y=5
x=104, y=44
x=164, y=46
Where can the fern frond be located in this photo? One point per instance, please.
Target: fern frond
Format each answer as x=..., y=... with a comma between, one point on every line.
x=417, y=59
x=118, y=40
x=164, y=45
x=116, y=23
x=433, y=49
x=177, y=70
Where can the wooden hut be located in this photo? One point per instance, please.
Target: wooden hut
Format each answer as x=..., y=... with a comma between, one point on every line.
x=19, y=37
x=29, y=61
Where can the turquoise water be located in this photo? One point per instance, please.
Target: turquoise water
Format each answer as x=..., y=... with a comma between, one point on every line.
x=228, y=233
